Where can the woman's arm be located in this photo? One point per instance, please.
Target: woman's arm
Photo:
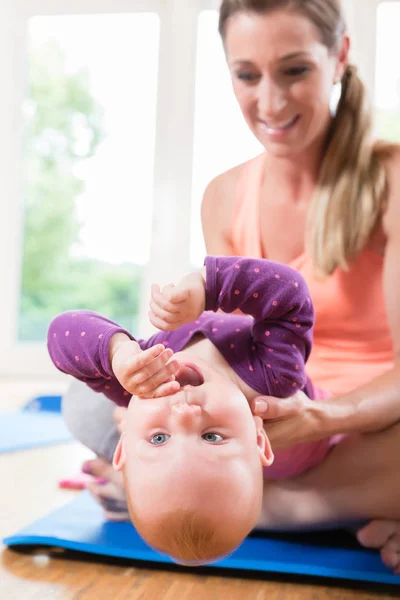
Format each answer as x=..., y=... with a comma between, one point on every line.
x=217, y=211
x=375, y=405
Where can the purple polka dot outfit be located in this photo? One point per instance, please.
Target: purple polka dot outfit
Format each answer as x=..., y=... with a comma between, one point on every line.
x=267, y=350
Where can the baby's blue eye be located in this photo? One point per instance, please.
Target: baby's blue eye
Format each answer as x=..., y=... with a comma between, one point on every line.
x=213, y=438
x=159, y=438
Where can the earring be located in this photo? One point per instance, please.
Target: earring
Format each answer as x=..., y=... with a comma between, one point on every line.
x=336, y=94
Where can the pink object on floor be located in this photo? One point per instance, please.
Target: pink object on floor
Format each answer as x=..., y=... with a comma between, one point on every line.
x=79, y=482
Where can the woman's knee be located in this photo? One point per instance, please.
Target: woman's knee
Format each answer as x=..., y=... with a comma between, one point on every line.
x=89, y=417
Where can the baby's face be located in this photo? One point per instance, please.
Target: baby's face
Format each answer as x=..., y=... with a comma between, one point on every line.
x=199, y=443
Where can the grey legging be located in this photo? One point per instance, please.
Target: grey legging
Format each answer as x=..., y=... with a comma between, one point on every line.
x=89, y=417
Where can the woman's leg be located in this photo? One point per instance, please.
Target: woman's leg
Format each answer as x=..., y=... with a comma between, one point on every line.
x=358, y=481
x=89, y=417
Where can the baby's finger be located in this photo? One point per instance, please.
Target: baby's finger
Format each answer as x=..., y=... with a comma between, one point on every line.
x=138, y=376
x=174, y=294
x=162, y=325
x=178, y=295
x=155, y=288
x=162, y=300
x=138, y=361
x=153, y=382
x=165, y=315
x=168, y=288
x=166, y=389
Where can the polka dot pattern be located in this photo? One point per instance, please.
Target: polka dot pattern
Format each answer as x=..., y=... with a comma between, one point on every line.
x=266, y=351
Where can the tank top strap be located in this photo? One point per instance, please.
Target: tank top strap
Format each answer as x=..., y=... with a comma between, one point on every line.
x=245, y=227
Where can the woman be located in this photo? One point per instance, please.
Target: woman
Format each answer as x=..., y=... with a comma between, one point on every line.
x=324, y=198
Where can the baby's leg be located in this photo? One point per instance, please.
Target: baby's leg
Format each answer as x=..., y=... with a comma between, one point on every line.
x=89, y=417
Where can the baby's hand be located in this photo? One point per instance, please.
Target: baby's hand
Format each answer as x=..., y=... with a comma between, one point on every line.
x=147, y=373
x=174, y=306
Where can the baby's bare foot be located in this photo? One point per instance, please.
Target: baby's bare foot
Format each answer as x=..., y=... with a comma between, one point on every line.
x=111, y=494
x=384, y=535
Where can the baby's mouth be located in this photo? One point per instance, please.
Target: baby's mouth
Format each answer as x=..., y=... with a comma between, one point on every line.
x=189, y=375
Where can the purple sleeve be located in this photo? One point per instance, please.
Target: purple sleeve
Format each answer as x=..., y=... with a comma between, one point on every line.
x=278, y=298
x=78, y=345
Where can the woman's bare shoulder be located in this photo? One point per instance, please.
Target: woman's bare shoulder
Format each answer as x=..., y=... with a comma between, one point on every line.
x=224, y=184
x=223, y=187
x=217, y=209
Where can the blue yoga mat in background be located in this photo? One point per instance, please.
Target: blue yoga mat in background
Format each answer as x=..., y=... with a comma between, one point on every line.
x=38, y=423
x=80, y=526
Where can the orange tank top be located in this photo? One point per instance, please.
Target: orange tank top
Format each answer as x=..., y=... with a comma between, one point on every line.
x=352, y=341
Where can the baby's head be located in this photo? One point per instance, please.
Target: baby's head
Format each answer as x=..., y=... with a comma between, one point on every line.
x=192, y=465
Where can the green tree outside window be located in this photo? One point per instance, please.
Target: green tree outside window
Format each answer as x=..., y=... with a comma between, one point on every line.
x=63, y=128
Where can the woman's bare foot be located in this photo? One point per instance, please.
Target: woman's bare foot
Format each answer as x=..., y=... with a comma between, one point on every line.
x=383, y=535
x=111, y=494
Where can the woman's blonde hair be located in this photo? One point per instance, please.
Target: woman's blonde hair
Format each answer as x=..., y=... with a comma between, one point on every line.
x=351, y=191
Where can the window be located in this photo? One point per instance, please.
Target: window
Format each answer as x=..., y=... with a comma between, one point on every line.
x=387, y=86
x=221, y=137
x=88, y=166
x=78, y=148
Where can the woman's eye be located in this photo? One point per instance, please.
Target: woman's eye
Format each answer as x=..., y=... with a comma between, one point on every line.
x=296, y=71
x=247, y=76
x=213, y=438
x=159, y=438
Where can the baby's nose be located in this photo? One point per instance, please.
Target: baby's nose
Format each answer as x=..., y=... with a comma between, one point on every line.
x=186, y=411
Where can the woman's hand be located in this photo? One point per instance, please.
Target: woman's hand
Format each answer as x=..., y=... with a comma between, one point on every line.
x=289, y=421
x=146, y=373
x=174, y=306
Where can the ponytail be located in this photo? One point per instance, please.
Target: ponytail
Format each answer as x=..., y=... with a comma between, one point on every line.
x=352, y=185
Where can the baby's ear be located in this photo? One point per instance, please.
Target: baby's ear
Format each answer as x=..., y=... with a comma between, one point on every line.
x=264, y=447
x=119, y=455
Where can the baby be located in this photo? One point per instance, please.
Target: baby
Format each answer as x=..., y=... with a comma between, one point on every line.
x=192, y=454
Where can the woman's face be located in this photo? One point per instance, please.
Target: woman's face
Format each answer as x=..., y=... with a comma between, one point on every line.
x=282, y=77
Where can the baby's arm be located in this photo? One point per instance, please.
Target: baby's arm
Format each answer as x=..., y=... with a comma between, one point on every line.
x=278, y=298
x=78, y=343
x=107, y=358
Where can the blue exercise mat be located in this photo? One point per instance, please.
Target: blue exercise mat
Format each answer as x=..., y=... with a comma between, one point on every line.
x=80, y=526
x=38, y=423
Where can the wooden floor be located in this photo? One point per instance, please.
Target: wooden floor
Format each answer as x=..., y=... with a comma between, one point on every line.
x=28, y=490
